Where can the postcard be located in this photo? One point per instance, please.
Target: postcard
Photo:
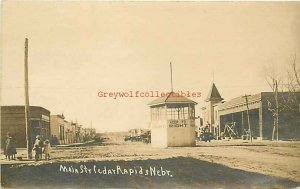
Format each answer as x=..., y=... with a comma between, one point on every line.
x=150, y=94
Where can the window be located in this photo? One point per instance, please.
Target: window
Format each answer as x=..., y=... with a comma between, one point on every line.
x=172, y=113
x=35, y=123
x=179, y=113
x=158, y=113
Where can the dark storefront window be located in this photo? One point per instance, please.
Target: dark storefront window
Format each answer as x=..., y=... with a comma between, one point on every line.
x=35, y=125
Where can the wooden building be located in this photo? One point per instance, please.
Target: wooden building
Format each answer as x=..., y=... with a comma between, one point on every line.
x=67, y=132
x=172, y=121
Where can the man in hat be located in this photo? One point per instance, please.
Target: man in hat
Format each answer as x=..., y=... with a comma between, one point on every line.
x=37, y=148
x=8, y=150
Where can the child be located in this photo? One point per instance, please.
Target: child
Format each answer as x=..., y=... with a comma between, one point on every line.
x=36, y=150
x=46, y=149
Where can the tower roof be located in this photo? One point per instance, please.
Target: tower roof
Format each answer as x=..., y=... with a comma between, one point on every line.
x=213, y=94
x=171, y=98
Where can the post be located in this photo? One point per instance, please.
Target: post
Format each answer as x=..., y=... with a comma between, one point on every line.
x=171, y=77
x=260, y=122
x=243, y=127
x=246, y=96
x=27, y=107
x=219, y=135
x=277, y=111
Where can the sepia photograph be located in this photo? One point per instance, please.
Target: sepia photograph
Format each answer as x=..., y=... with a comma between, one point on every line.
x=150, y=94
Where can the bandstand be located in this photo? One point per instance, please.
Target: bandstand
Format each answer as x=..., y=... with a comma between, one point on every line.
x=172, y=121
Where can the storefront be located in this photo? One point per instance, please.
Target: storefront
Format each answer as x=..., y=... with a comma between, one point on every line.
x=13, y=122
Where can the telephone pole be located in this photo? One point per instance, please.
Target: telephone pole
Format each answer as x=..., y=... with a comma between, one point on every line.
x=277, y=107
x=27, y=107
x=249, y=126
x=171, y=77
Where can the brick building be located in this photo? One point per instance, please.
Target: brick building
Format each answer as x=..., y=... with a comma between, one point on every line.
x=13, y=122
x=217, y=114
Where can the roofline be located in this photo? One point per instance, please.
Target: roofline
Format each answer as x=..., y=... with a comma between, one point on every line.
x=219, y=99
x=252, y=99
x=16, y=106
x=58, y=115
x=177, y=102
x=172, y=102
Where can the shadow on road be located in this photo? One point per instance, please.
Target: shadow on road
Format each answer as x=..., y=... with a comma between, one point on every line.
x=181, y=172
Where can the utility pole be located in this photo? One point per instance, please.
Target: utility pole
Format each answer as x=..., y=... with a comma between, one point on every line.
x=171, y=77
x=249, y=126
x=27, y=107
x=277, y=106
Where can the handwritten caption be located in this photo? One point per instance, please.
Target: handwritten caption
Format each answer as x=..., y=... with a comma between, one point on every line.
x=151, y=171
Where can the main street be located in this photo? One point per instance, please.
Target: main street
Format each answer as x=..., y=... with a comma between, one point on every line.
x=219, y=164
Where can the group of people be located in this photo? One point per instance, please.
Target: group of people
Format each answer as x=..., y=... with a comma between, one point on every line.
x=10, y=149
x=40, y=148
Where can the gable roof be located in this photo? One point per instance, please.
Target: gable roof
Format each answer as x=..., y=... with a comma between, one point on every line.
x=171, y=98
x=213, y=94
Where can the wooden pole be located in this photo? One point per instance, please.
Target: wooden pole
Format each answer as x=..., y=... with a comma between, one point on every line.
x=27, y=107
x=171, y=77
x=277, y=107
x=243, y=127
x=246, y=96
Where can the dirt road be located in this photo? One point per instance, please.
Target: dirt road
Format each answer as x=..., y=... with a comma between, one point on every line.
x=209, y=165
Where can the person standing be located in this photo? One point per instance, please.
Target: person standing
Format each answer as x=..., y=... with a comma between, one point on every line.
x=37, y=148
x=5, y=150
x=55, y=140
x=8, y=147
x=46, y=151
x=52, y=140
x=14, y=147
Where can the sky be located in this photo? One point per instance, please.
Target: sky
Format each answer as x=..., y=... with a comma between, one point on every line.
x=77, y=49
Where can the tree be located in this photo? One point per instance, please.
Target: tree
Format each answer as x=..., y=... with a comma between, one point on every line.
x=287, y=82
x=293, y=74
x=273, y=78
